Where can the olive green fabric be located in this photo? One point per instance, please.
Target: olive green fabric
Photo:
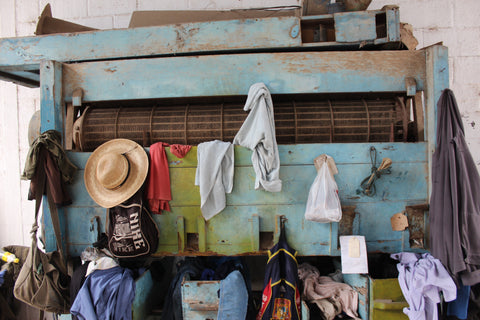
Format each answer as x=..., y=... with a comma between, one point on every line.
x=51, y=140
x=43, y=281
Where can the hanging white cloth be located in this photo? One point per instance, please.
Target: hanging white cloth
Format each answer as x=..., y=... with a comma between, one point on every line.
x=258, y=134
x=214, y=175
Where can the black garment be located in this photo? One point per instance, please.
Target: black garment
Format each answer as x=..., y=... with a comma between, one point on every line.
x=455, y=201
x=281, y=295
x=172, y=307
x=78, y=278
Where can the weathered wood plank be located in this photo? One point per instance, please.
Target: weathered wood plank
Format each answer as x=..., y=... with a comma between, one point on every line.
x=51, y=114
x=437, y=81
x=406, y=185
x=283, y=73
x=407, y=181
x=302, y=154
x=307, y=237
x=355, y=26
x=162, y=40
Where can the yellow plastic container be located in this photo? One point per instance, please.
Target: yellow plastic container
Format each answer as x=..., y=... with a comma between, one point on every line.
x=386, y=300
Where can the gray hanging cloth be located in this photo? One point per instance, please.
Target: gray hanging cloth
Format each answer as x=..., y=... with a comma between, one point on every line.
x=455, y=198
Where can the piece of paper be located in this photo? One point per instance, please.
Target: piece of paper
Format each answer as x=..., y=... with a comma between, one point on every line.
x=354, y=248
x=354, y=254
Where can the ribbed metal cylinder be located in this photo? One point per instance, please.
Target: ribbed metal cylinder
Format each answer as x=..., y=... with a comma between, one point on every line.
x=361, y=120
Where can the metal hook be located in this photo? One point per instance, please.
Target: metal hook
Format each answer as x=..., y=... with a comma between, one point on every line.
x=283, y=219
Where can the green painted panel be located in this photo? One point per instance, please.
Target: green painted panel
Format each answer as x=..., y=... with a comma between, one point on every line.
x=303, y=154
x=406, y=185
x=407, y=181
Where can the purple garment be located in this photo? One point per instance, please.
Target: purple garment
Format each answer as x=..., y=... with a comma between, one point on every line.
x=422, y=277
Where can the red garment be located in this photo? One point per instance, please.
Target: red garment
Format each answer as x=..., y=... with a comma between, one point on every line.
x=179, y=150
x=158, y=189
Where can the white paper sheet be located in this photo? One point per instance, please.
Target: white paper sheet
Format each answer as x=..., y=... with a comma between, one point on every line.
x=354, y=254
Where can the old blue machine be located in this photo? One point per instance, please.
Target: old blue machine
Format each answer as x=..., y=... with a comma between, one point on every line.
x=341, y=86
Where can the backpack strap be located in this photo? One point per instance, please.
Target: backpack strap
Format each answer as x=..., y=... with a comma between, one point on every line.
x=42, y=188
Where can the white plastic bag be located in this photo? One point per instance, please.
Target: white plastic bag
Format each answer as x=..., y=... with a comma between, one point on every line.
x=323, y=204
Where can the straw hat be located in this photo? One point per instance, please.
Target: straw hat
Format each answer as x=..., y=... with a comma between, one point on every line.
x=115, y=171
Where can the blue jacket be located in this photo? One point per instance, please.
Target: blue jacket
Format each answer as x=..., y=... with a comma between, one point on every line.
x=106, y=295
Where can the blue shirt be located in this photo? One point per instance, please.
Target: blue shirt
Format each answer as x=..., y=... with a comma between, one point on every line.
x=106, y=295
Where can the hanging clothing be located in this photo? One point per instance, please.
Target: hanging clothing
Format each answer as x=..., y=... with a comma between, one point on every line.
x=459, y=306
x=188, y=269
x=179, y=150
x=422, y=278
x=454, y=204
x=214, y=175
x=78, y=279
x=106, y=294
x=158, y=190
x=47, y=166
x=233, y=297
x=50, y=140
x=258, y=134
x=317, y=288
x=101, y=264
x=281, y=296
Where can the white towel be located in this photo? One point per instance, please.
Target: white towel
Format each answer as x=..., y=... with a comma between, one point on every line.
x=214, y=175
x=258, y=134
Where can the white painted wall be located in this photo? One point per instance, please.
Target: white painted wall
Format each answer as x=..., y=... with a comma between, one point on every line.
x=455, y=23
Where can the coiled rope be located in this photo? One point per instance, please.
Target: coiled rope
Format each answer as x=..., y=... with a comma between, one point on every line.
x=368, y=184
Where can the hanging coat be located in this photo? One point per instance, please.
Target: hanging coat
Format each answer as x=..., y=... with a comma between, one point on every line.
x=455, y=201
x=281, y=297
x=257, y=133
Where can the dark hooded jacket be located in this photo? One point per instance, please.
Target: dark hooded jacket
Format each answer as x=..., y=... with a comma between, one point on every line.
x=455, y=198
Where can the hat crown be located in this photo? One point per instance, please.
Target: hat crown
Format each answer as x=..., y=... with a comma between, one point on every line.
x=112, y=170
x=115, y=171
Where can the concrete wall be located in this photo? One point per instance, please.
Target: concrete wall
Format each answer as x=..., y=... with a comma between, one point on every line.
x=455, y=23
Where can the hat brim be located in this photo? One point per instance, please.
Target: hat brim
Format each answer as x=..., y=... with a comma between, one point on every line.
x=138, y=160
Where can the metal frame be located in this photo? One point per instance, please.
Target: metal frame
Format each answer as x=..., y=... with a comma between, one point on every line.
x=136, y=65
x=20, y=57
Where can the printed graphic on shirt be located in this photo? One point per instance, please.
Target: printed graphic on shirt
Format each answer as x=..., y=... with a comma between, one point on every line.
x=127, y=237
x=127, y=234
x=282, y=309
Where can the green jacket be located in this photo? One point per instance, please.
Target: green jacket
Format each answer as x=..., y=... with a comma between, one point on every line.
x=51, y=140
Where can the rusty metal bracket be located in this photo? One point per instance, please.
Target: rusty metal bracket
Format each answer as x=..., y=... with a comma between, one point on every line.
x=279, y=223
x=202, y=235
x=345, y=226
x=255, y=232
x=416, y=225
x=181, y=233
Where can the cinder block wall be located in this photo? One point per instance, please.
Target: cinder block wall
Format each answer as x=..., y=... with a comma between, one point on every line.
x=455, y=23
